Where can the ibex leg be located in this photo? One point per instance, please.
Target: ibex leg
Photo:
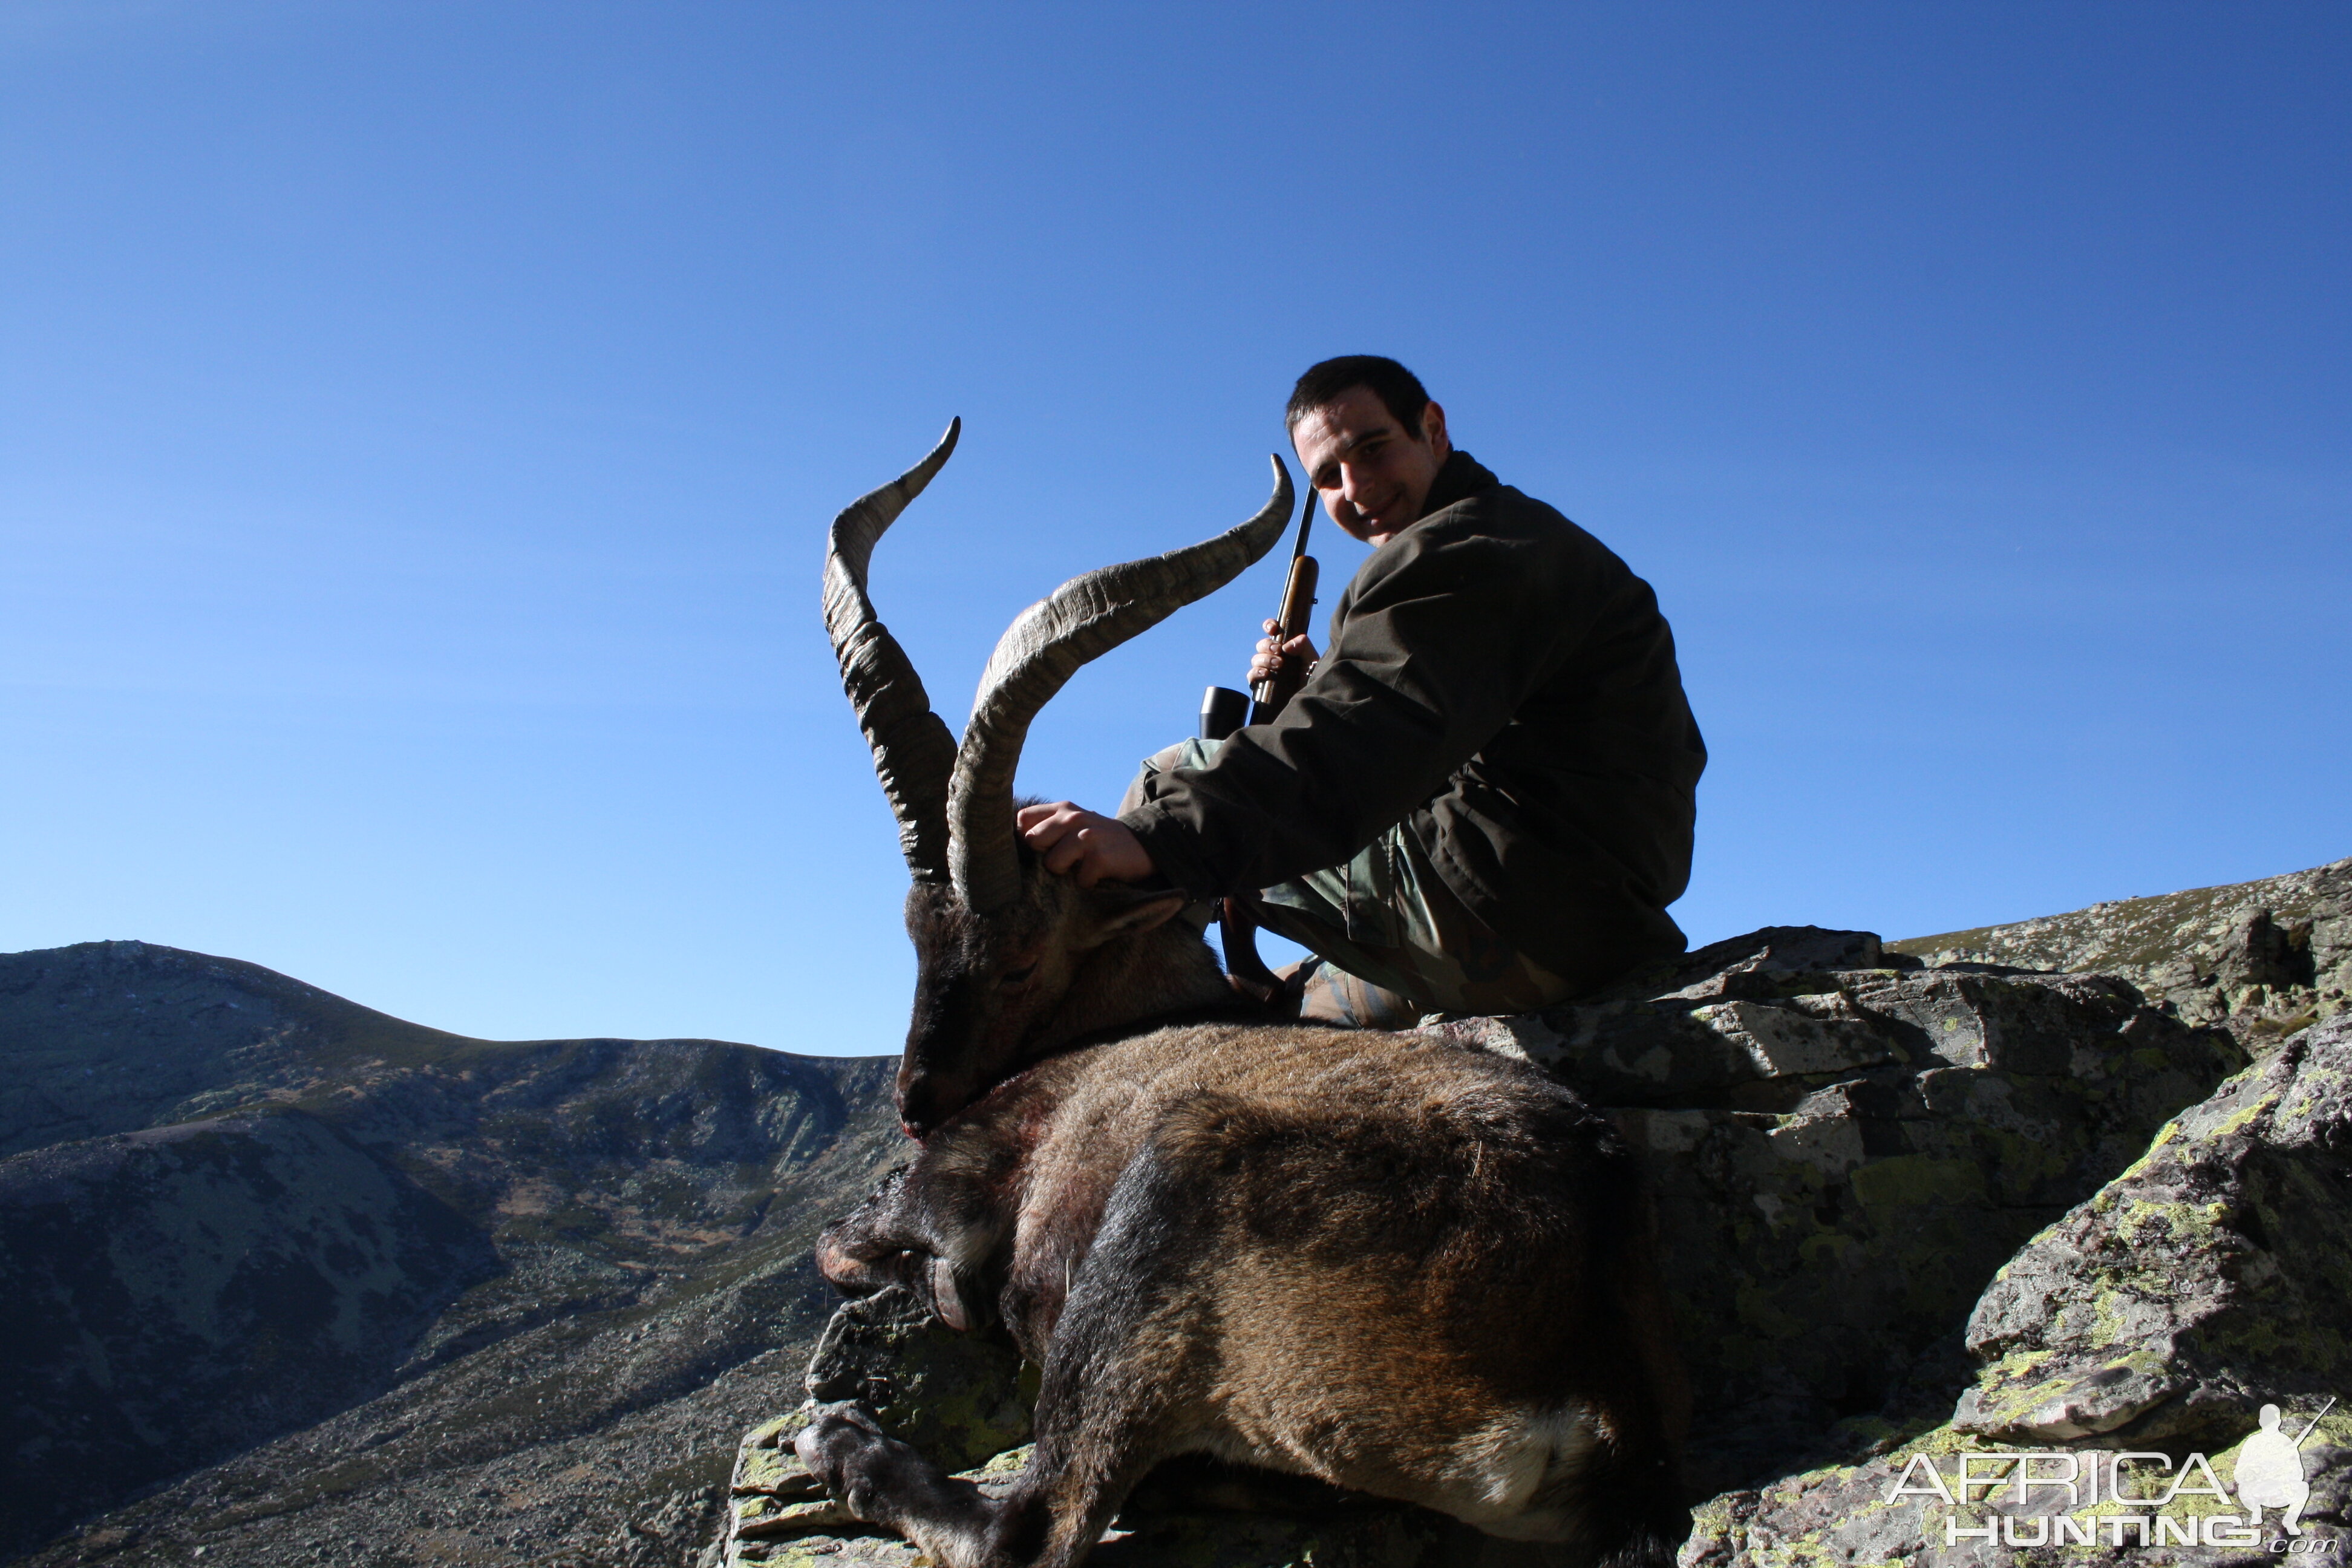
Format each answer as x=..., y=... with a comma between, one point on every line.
x=1112, y=1365
x=1119, y=1364
x=1080, y=1471
x=885, y=1482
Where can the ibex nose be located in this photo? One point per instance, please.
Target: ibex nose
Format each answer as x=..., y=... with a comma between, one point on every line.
x=918, y=1097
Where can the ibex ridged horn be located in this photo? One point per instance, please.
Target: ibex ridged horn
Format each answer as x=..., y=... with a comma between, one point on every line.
x=1082, y=619
x=913, y=753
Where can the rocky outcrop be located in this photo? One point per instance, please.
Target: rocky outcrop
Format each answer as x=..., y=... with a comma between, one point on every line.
x=2263, y=958
x=964, y=1400
x=2154, y=1320
x=1843, y=1146
x=2212, y=1276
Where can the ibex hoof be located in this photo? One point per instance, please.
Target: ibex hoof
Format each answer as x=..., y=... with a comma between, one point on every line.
x=828, y=1444
x=860, y=1467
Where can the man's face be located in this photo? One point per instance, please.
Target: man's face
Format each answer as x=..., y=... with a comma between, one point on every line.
x=1372, y=473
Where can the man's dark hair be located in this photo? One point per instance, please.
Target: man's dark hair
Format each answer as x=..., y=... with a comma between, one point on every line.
x=1399, y=390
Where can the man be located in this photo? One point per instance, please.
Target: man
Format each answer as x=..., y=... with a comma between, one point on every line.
x=1482, y=799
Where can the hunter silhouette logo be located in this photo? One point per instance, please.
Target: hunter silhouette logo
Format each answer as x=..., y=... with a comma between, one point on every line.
x=2269, y=1473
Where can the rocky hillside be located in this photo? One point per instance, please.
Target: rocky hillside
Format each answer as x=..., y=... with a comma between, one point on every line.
x=1933, y=1210
x=373, y=1293
x=286, y=1281
x=2262, y=958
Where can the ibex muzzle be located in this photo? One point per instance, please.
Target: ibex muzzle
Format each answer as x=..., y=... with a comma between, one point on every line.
x=1014, y=962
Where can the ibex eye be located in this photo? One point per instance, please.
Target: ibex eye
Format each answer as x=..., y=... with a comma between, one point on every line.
x=1016, y=976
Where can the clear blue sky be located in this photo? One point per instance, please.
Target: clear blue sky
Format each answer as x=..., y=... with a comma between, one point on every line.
x=418, y=424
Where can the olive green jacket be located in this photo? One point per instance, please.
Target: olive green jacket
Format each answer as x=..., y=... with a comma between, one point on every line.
x=1499, y=681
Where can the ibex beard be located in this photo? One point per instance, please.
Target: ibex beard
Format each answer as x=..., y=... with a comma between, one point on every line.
x=1380, y=1260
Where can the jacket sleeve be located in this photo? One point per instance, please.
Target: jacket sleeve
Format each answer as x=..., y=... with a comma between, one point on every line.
x=1445, y=632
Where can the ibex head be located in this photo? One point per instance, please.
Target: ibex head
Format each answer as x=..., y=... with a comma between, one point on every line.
x=1012, y=961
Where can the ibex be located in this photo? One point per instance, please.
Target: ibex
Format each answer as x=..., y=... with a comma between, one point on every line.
x=1380, y=1261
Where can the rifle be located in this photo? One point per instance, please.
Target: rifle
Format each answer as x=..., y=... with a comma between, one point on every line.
x=1269, y=696
x=1223, y=707
x=1220, y=714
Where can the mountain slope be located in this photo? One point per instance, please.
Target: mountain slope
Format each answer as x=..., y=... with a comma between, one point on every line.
x=106, y=1036
x=236, y=1207
x=184, y=1290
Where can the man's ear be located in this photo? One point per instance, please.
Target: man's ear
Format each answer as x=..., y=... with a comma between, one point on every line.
x=1120, y=911
x=1433, y=428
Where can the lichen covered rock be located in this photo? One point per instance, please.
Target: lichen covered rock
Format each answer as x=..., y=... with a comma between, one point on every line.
x=2211, y=1276
x=959, y=1398
x=1843, y=1146
x=2154, y=1320
x=1894, y=1509
x=2263, y=958
x=962, y=1399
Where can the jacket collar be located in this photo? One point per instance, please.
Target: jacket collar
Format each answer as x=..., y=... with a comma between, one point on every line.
x=1459, y=477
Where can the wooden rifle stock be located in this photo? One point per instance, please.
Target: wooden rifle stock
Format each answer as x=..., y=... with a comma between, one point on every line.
x=1271, y=695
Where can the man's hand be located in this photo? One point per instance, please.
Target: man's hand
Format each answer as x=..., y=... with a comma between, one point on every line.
x=1267, y=660
x=1093, y=847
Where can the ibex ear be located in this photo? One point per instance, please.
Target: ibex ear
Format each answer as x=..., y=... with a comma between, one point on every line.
x=1120, y=911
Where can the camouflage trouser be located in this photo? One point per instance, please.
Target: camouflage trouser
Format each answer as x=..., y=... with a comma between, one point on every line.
x=1396, y=940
